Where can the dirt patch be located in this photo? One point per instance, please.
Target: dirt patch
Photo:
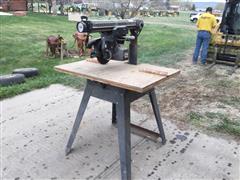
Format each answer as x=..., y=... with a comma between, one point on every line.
x=201, y=91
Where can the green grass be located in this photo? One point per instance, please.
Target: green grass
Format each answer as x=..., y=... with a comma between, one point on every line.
x=195, y=117
x=215, y=121
x=212, y=115
x=225, y=124
x=228, y=126
x=163, y=44
x=182, y=19
x=232, y=101
x=223, y=82
x=23, y=43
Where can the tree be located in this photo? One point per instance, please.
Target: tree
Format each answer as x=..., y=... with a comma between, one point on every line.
x=49, y=6
x=31, y=5
x=54, y=7
x=123, y=8
x=61, y=8
x=157, y=4
x=186, y=5
x=167, y=4
x=193, y=7
x=137, y=4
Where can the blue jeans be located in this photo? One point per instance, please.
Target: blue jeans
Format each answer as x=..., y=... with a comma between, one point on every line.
x=203, y=39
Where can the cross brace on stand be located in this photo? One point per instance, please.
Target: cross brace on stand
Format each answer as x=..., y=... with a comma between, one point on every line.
x=121, y=100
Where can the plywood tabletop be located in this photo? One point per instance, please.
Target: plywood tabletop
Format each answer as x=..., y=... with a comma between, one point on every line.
x=138, y=78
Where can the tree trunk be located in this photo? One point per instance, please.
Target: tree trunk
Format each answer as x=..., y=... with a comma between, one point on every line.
x=54, y=7
x=38, y=7
x=49, y=6
x=62, y=7
x=31, y=6
x=168, y=4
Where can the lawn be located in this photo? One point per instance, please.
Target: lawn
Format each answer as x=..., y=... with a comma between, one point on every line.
x=182, y=19
x=23, y=43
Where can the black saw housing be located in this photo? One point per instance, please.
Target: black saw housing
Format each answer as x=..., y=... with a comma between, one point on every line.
x=110, y=45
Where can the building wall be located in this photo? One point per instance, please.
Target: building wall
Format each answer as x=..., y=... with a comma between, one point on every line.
x=18, y=5
x=14, y=5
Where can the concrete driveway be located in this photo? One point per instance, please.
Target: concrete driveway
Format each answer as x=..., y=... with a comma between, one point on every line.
x=35, y=127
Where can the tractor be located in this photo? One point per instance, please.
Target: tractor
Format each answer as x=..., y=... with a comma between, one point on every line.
x=224, y=47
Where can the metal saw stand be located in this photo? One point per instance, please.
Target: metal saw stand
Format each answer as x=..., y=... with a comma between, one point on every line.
x=121, y=100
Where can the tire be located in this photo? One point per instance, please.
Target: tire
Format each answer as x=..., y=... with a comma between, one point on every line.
x=11, y=79
x=27, y=72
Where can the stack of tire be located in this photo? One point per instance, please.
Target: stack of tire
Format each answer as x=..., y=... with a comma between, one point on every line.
x=18, y=76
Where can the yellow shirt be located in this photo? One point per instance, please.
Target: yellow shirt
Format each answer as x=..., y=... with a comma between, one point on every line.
x=206, y=22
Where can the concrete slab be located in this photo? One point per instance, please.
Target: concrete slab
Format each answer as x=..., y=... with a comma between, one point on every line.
x=35, y=127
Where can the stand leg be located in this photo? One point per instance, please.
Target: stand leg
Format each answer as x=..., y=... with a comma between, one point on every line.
x=156, y=111
x=124, y=141
x=114, y=119
x=81, y=110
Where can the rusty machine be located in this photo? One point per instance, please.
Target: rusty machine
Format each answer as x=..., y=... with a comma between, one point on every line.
x=225, y=44
x=113, y=35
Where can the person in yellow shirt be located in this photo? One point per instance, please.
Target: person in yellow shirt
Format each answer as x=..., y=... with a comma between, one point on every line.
x=206, y=22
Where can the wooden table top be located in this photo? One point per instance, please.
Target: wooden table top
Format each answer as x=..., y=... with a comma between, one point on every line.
x=120, y=74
